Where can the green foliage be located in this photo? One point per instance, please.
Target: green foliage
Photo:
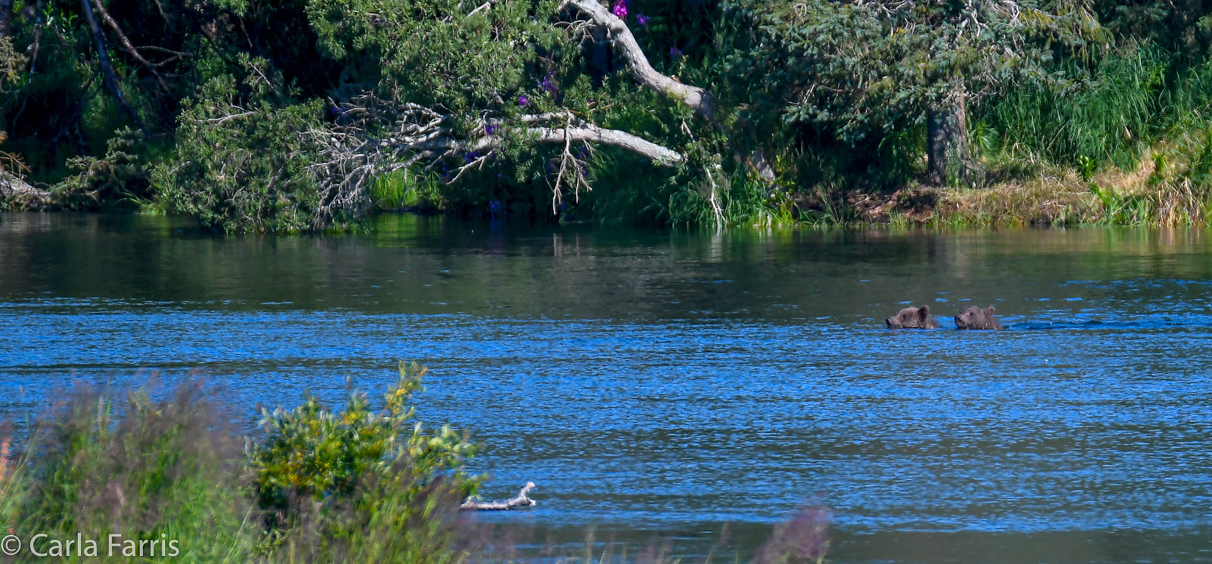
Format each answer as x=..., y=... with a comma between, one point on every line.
x=11, y=63
x=164, y=470
x=1122, y=210
x=859, y=69
x=408, y=190
x=315, y=453
x=1108, y=119
x=361, y=482
x=120, y=177
x=362, y=485
x=838, y=95
x=1183, y=27
x=242, y=168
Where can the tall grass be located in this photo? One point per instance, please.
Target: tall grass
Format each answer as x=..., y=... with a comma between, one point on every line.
x=1106, y=119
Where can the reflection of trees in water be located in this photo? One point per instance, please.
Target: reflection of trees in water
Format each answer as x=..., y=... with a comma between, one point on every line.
x=435, y=265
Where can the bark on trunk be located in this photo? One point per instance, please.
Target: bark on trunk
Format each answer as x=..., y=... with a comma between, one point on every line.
x=947, y=141
x=15, y=192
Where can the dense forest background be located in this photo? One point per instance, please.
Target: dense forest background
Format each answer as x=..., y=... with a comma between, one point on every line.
x=300, y=115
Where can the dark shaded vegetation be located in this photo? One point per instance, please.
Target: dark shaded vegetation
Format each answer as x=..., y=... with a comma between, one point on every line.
x=309, y=115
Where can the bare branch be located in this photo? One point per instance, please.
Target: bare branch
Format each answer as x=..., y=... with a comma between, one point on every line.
x=661, y=156
x=126, y=45
x=373, y=137
x=698, y=99
x=107, y=69
x=520, y=500
x=485, y=7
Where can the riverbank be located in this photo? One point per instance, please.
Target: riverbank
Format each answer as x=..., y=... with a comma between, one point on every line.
x=1055, y=198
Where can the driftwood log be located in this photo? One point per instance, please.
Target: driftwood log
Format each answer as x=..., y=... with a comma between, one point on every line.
x=16, y=192
x=513, y=503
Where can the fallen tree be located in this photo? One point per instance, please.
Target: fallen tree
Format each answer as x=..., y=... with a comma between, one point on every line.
x=15, y=192
x=376, y=136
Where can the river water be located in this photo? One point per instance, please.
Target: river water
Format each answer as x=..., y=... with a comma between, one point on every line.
x=661, y=384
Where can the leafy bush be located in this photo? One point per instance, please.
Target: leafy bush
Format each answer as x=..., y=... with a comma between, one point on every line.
x=120, y=177
x=242, y=167
x=319, y=486
x=315, y=455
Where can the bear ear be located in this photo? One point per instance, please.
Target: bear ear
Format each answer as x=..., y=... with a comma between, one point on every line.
x=990, y=310
x=923, y=311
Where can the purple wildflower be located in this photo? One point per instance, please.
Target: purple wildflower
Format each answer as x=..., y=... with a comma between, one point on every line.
x=641, y=19
x=489, y=130
x=522, y=100
x=675, y=52
x=620, y=9
x=548, y=84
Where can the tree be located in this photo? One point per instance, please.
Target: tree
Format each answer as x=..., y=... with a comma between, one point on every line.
x=855, y=69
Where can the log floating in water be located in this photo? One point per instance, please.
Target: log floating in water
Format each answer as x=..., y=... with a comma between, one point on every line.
x=519, y=501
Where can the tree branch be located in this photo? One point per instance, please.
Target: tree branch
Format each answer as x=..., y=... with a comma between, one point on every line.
x=15, y=191
x=660, y=156
x=373, y=137
x=520, y=500
x=107, y=70
x=130, y=49
x=698, y=99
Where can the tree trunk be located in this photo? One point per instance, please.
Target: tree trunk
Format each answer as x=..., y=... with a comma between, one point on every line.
x=107, y=69
x=599, y=56
x=947, y=141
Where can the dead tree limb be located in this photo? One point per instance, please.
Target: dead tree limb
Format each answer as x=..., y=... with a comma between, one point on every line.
x=107, y=69
x=17, y=193
x=513, y=503
x=374, y=137
x=698, y=99
x=660, y=156
x=126, y=45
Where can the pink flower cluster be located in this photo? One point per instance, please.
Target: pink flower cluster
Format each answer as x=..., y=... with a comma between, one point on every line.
x=620, y=9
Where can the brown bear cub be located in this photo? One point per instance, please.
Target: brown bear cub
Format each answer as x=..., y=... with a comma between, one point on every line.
x=976, y=318
x=912, y=318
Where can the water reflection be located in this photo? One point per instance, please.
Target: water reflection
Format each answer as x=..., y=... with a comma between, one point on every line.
x=670, y=381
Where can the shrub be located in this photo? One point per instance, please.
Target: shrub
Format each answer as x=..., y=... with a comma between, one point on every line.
x=319, y=486
x=243, y=168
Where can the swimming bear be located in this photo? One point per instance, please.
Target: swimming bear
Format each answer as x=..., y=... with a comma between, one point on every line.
x=912, y=318
x=976, y=318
